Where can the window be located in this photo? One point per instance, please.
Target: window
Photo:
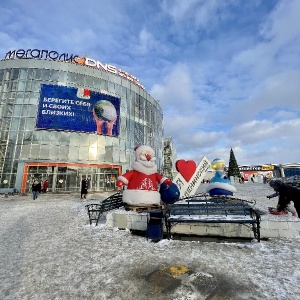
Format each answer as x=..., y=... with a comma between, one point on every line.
x=54, y=75
x=45, y=75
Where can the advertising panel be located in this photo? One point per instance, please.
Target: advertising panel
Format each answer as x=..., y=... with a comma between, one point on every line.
x=256, y=176
x=78, y=109
x=257, y=173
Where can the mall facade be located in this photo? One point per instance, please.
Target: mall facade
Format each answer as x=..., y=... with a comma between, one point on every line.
x=65, y=117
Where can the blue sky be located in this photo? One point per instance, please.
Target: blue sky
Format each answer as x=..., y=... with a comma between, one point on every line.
x=226, y=73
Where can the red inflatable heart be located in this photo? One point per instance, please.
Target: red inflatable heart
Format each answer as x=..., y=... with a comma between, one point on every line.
x=186, y=168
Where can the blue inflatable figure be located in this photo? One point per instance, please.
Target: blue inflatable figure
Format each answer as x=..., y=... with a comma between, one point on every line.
x=220, y=184
x=169, y=193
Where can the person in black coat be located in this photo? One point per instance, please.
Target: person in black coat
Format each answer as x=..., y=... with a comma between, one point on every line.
x=36, y=189
x=84, y=188
x=286, y=194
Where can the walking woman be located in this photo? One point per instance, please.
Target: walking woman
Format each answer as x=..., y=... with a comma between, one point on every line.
x=84, y=188
x=36, y=188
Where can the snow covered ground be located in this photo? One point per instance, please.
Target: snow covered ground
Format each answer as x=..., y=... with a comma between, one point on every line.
x=48, y=250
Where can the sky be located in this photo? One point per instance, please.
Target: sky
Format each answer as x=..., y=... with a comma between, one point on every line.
x=48, y=250
x=226, y=73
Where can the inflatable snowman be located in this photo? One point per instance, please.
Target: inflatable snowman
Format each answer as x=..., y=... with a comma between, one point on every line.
x=143, y=180
x=220, y=184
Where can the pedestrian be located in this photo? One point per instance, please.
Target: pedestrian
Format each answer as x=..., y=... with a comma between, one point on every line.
x=84, y=188
x=286, y=194
x=45, y=186
x=36, y=188
x=265, y=179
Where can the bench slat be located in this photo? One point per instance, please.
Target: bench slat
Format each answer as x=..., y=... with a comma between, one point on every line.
x=211, y=218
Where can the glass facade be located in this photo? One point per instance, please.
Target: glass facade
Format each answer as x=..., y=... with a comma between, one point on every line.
x=64, y=157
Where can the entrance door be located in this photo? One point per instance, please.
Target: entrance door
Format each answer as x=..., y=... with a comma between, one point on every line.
x=96, y=182
x=110, y=179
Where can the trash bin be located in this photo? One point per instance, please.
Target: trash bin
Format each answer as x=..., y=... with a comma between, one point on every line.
x=155, y=225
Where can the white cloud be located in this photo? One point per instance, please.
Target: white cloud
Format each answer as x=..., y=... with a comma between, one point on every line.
x=282, y=25
x=179, y=9
x=176, y=90
x=204, y=14
x=284, y=115
x=80, y=39
x=148, y=44
x=281, y=91
x=281, y=34
x=254, y=132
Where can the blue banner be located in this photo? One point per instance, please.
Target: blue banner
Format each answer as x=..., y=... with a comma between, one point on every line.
x=78, y=109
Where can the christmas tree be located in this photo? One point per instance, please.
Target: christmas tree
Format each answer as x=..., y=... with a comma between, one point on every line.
x=233, y=169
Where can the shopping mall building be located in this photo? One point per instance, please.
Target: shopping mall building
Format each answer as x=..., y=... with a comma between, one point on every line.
x=65, y=117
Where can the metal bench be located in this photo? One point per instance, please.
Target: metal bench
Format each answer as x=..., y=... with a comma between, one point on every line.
x=203, y=209
x=96, y=210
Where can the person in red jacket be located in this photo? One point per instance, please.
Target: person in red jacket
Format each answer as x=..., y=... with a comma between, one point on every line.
x=45, y=186
x=143, y=180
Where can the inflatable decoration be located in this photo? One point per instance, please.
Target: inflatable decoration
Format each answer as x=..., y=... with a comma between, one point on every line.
x=169, y=193
x=143, y=180
x=220, y=184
